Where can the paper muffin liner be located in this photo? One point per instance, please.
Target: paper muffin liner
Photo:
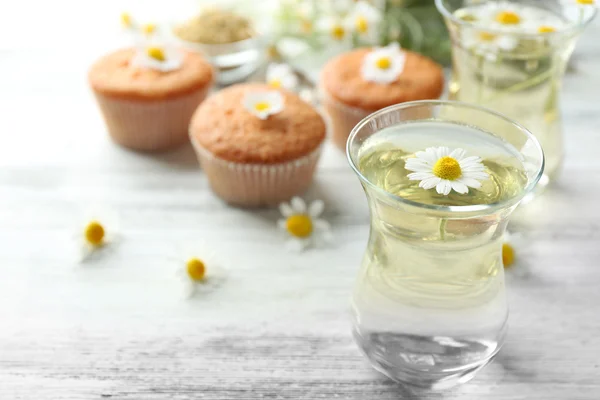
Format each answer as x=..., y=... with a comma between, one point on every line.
x=150, y=125
x=343, y=117
x=255, y=185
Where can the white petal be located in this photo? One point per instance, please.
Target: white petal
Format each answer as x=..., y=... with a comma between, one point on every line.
x=296, y=245
x=430, y=183
x=507, y=43
x=459, y=187
x=282, y=223
x=289, y=81
x=425, y=156
x=286, y=210
x=432, y=155
x=470, y=182
x=469, y=160
x=458, y=154
x=442, y=152
x=444, y=187
x=322, y=225
x=473, y=167
x=298, y=205
x=413, y=164
x=480, y=176
x=316, y=208
x=189, y=288
x=419, y=176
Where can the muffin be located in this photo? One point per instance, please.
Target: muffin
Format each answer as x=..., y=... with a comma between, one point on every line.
x=257, y=146
x=148, y=96
x=360, y=82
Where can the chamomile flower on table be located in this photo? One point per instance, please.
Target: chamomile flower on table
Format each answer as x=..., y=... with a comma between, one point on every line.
x=302, y=225
x=281, y=76
x=200, y=269
x=515, y=252
x=446, y=169
x=364, y=20
x=97, y=228
x=263, y=103
x=384, y=64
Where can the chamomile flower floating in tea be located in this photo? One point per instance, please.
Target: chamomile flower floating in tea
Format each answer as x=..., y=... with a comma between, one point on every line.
x=263, y=104
x=473, y=168
x=384, y=64
x=97, y=228
x=281, y=76
x=201, y=271
x=446, y=170
x=510, y=56
x=489, y=44
x=364, y=19
x=302, y=223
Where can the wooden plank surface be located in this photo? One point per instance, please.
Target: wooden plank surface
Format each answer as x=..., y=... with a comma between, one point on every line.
x=278, y=328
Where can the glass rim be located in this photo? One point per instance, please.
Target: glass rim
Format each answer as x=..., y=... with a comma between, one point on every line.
x=446, y=13
x=448, y=209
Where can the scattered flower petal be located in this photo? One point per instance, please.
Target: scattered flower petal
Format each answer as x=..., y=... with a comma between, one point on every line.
x=446, y=170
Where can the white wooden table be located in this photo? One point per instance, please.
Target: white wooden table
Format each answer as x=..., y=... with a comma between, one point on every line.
x=278, y=328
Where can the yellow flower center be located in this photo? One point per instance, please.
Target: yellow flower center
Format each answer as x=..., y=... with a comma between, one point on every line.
x=383, y=63
x=447, y=168
x=157, y=53
x=586, y=2
x=362, y=25
x=149, y=29
x=275, y=84
x=262, y=106
x=306, y=26
x=196, y=269
x=508, y=255
x=126, y=20
x=546, y=29
x=94, y=233
x=338, y=32
x=486, y=36
x=508, y=18
x=299, y=225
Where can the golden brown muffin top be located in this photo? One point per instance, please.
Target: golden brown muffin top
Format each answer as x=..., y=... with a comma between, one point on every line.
x=113, y=75
x=421, y=79
x=223, y=126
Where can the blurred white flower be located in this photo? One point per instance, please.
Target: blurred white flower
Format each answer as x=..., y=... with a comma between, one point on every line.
x=97, y=227
x=157, y=55
x=336, y=30
x=364, y=19
x=281, y=76
x=489, y=45
x=263, y=104
x=200, y=269
x=302, y=224
x=384, y=64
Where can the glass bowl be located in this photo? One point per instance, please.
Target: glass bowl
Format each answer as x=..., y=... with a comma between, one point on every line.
x=234, y=62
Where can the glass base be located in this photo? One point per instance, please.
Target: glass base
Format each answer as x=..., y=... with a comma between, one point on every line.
x=426, y=362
